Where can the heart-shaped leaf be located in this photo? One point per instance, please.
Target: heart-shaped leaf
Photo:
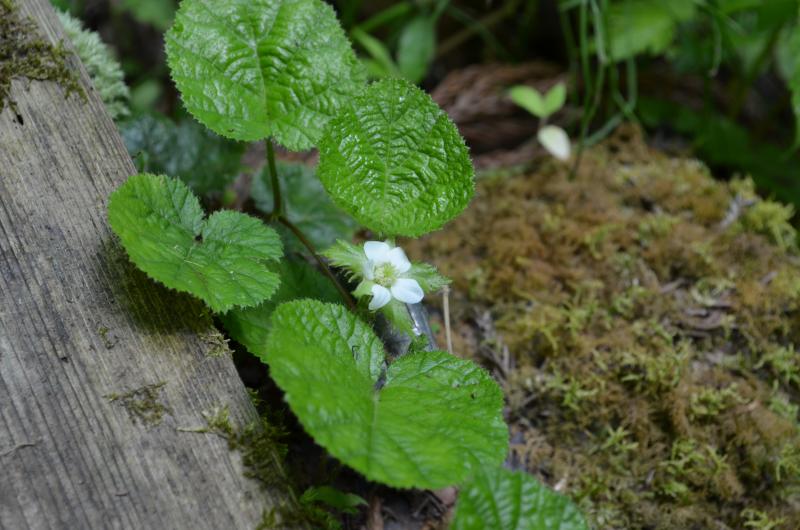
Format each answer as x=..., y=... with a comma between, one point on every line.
x=251, y=69
x=498, y=498
x=221, y=260
x=396, y=162
x=427, y=421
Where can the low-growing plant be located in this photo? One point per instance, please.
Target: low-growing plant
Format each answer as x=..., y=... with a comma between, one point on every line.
x=552, y=137
x=283, y=71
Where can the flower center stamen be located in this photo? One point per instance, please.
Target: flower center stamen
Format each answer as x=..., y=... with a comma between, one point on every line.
x=385, y=274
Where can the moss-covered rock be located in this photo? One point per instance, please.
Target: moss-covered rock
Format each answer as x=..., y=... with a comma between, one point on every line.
x=650, y=315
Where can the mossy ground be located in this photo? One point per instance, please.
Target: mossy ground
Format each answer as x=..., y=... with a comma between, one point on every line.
x=642, y=318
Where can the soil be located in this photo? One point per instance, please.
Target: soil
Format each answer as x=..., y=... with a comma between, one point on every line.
x=641, y=318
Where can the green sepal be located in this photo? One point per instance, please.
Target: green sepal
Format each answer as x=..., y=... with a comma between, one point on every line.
x=428, y=277
x=348, y=257
x=396, y=312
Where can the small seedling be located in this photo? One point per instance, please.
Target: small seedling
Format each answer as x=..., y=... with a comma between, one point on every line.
x=552, y=137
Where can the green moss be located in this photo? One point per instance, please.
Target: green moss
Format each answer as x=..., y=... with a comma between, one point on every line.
x=784, y=362
x=142, y=404
x=650, y=314
x=760, y=520
x=263, y=451
x=217, y=343
x=710, y=402
x=26, y=56
x=109, y=341
x=258, y=442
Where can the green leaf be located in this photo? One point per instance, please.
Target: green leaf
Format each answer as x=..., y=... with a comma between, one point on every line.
x=396, y=162
x=187, y=150
x=381, y=64
x=427, y=423
x=529, y=99
x=306, y=204
x=555, y=98
x=250, y=326
x=498, y=498
x=637, y=26
x=416, y=47
x=793, y=77
x=220, y=259
x=158, y=13
x=145, y=95
x=251, y=69
x=334, y=498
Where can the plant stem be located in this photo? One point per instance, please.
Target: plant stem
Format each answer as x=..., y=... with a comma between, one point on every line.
x=480, y=26
x=746, y=83
x=324, y=266
x=277, y=203
x=278, y=215
x=594, y=96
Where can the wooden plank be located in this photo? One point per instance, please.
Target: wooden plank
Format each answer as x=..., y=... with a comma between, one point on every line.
x=79, y=324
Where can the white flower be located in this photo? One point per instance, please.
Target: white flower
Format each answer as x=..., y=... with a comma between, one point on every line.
x=555, y=140
x=386, y=268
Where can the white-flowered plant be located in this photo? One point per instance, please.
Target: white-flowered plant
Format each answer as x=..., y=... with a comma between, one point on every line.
x=386, y=277
x=552, y=137
x=392, y=160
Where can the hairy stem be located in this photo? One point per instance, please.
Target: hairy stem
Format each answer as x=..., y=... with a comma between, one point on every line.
x=322, y=265
x=279, y=216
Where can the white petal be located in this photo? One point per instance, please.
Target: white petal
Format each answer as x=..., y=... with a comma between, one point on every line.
x=369, y=270
x=407, y=290
x=377, y=251
x=380, y=297
x=555, y=140
x=399, y=260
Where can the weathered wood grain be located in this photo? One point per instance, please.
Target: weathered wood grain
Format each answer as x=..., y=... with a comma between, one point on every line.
x=78, y=323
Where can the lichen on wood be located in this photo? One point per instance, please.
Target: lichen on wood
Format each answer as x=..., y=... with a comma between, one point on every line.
x=26, y=56
x=142, y=404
